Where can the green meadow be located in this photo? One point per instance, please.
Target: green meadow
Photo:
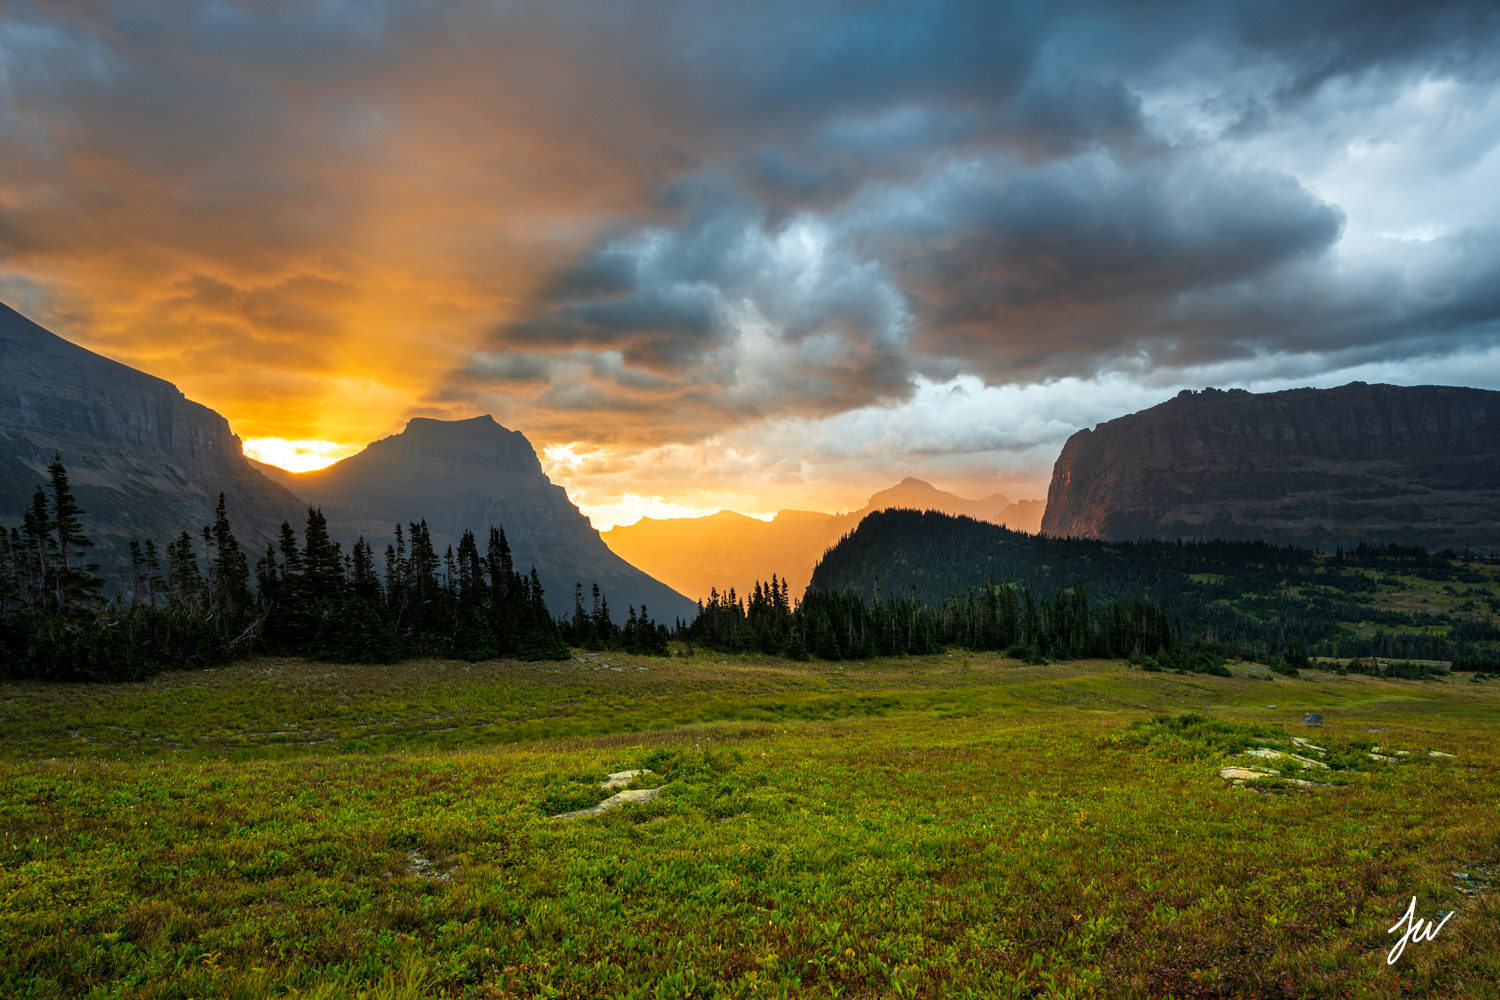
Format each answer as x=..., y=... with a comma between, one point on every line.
x=948, y=826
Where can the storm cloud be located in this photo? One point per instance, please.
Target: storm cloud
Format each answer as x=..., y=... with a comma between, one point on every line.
x=638, y=227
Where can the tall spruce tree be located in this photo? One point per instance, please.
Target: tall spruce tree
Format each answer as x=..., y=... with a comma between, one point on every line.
x=74, y=581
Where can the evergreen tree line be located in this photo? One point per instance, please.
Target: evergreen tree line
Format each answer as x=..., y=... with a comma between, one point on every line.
x=1241, y=598
x=1003, y=617
x=593, y=628
x=193, y=604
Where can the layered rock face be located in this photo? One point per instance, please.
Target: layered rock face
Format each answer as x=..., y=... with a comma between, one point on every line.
x=1372, y=463
x=474, y=474
x=144, y=461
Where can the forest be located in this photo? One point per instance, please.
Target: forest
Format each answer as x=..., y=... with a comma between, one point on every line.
x=902, y=583
x=1244, y=598
x=198, y=601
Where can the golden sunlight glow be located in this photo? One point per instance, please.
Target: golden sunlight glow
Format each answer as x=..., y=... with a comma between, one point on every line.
x=628, y=508
x=297, y=456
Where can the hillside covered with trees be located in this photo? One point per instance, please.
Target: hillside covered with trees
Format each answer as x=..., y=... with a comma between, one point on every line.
x=198, y=600
x=1261, y=598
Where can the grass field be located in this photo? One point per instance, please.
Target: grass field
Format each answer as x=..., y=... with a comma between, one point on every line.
x=952, y=826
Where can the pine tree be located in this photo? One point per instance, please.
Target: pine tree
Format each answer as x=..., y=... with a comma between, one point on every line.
x=39, y=544
x=230, y=571
x=362, y=570
x=153, y=572
x=291, y=555
x=74, y=582
x=183, y=576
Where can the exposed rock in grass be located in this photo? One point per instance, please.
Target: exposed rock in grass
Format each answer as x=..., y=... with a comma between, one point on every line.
x=614, y=801
x=1477, y=879
x=1439, y=753
x=1305, y=745
x=623, y=778
x=1267, y=752
x=1312, y=719
x=1240, y=775
x=422, y=868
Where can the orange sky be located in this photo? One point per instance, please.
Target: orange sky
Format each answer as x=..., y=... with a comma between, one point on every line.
x=710, y=255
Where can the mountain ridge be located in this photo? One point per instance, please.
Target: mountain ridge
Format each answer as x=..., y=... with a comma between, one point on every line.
x=145, y=461
x=1357, y=463
x=472, y=474
x=727, y=549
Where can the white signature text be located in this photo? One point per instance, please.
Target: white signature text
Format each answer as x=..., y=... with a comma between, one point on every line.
x=1417, y=929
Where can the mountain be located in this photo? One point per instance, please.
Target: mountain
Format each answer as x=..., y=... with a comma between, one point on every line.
x=1023, y=515
x=1373, y=463
x=1235, y=593
x=727, y=550
x=144, y=461
x=914, y=494
x=472, y=474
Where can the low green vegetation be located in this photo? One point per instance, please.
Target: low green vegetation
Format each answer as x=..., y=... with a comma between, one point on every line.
x=954, y=825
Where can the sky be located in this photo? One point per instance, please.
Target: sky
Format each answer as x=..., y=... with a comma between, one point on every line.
x=752, y=256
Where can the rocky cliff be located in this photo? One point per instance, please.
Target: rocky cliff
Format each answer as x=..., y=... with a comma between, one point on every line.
x=1376, y=463
x=472, y=474
x=144, y=461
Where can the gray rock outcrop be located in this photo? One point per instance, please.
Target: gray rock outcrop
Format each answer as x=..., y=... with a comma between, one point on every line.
x=1359, y=463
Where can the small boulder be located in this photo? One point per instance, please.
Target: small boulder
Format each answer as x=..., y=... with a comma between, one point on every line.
x=1312, y=719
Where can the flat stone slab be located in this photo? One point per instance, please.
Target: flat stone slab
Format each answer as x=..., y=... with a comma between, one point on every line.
x=1305, y=745
x=1310, y=784
x=1439, y=753
x=614, y=801
x=1240, y=775
x=1270, y=754
x=623, y=777
x=1310, y=762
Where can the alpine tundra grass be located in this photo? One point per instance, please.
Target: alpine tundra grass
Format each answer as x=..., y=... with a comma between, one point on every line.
x=951, y=826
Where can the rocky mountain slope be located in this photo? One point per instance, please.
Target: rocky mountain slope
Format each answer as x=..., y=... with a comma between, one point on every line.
x=471, y=474
x=1376, y=463
x=144, y=461
x=727, y=550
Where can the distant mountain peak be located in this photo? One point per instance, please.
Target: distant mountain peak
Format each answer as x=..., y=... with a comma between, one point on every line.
x=483, y=421
x=472, y=430
x=474, y=474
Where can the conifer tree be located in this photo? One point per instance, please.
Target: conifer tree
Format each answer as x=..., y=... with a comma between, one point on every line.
x=183, y=576
x=39, y=543
x=74, y=581
x=291, y=555
x=230, y=571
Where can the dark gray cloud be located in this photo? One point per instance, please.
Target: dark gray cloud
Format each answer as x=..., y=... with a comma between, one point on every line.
x=653, y=220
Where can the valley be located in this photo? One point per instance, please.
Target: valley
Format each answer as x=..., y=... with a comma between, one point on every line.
x=281, y=827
